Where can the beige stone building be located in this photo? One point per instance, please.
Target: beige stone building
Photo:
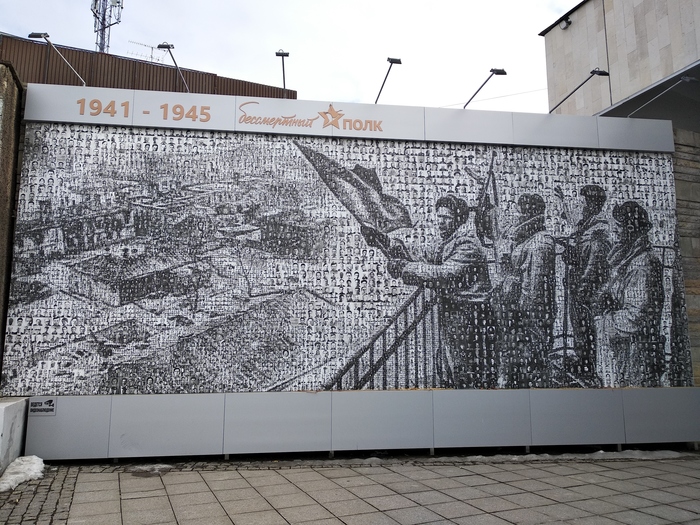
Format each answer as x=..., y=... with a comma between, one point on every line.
x=651, y=51
x=645, y=45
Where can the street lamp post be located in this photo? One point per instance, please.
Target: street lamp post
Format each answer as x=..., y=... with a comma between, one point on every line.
x=391, y=61
x=170, y=48
x=494, y=71
x=283, y=54
x=596, y=72
x=45, y=36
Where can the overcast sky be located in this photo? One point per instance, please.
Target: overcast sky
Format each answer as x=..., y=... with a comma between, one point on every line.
x=338, y=50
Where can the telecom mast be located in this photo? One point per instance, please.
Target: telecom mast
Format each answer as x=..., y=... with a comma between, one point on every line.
x=107, y=13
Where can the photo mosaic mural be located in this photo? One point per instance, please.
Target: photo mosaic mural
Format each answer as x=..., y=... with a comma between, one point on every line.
x=162, y=261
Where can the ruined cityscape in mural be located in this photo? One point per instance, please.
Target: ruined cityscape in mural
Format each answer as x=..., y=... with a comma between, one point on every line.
x=161, y=261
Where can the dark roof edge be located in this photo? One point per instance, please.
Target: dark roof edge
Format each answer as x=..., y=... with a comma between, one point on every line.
x=90, y=52
x=129, y=59
x=674, y=76
x=562, y=17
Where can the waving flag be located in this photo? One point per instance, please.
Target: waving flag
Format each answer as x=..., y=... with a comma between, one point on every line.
x=360, y=191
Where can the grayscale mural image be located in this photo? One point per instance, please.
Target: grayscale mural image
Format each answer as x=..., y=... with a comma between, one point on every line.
x=164, y=261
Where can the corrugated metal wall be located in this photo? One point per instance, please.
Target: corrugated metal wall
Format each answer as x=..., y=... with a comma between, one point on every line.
x=35, y=62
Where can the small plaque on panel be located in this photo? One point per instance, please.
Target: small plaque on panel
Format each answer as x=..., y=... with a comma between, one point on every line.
x=45, y=406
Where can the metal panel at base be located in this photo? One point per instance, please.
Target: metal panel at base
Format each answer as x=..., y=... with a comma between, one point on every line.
x=79, y=429
x=277, y=422
x=576, y=417
x=662, y=415
x=167, y=425
x=366, y=420
x=86, y=427
x=555, y=130
x=481, y=418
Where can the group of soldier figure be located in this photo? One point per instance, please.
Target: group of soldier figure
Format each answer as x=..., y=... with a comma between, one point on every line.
x=497, y=327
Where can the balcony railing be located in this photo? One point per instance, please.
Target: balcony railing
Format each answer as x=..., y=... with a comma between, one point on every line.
x=403, y=354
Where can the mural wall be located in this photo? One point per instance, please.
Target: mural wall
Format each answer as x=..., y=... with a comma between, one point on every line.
x=162, y=261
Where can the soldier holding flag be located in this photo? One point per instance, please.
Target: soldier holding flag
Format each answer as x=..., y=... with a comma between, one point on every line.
x=456, y=269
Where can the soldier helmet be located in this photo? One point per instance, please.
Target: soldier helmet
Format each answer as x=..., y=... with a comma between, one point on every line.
x=593, y=193
x=531, y=204
x=458, y=206
x=632, y=216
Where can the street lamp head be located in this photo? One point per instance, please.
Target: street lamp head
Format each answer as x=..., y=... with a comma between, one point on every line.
x=281, y=53
x=165, y=45
x=496, y=71
x=393, y=60
x=600, y=72
x=38, y=35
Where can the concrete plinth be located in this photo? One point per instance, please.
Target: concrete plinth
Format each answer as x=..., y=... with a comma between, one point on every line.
x=13, y=419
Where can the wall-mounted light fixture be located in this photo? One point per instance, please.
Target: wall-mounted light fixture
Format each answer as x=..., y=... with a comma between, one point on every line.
x=564, y=23
x=391, y=61
x=596, y=72
x=170, y=48
x=45, y=36
x=494, y=71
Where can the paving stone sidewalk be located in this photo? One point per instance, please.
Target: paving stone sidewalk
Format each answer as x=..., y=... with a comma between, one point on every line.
x=357, y=492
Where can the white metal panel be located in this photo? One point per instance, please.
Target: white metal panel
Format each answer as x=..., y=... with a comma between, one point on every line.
x=121, y=107
x=660, y=415
x=85, y=427
x=78, y=430
x=366, y=420
x=380, y=122
x=50, y=103
x=167, y=425
x=285, y=117
x=577, y=417
x=635, y=134
x=481, y=127
x=161, y=109
x=533, y=129
x=481, y=418
x=277, y=422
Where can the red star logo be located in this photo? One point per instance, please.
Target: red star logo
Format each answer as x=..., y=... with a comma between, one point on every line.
x=331, y=117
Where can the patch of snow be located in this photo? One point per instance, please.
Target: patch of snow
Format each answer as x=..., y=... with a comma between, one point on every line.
x=593, y=456
x=157, y=468
x=25, y=468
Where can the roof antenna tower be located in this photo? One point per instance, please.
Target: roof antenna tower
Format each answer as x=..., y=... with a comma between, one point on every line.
x=107, y=13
